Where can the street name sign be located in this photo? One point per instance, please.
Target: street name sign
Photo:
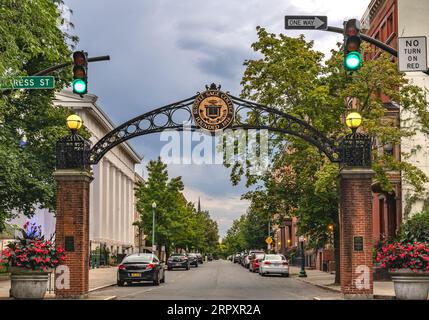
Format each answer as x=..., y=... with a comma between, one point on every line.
x=269, y=240
x=306, y=22
x=412, y=54
x=30, y=82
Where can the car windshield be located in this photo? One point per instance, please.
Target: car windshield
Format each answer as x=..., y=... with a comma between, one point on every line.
x=274, y=257
x=259, y=256
x=177, y=256
x=143, y=257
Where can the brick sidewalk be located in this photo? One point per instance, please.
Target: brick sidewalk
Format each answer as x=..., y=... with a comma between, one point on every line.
x=98, y=278
x=382, y=289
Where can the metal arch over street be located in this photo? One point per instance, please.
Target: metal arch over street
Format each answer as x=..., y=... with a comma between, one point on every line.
x=167, y=118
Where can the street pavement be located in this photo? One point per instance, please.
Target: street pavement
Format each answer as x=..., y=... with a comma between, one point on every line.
x=220, y=280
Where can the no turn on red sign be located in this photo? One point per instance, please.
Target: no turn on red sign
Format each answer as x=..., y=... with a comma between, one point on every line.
x=412, y=54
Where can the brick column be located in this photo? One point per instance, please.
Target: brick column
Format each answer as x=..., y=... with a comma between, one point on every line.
x=356, y=237
x=72, y=228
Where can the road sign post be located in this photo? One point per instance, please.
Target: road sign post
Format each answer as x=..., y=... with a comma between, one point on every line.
x=306, y=22
x=412, y=54
x=30, y=82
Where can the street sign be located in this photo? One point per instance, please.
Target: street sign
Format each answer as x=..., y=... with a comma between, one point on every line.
x=306, y=22
x=31, y=82
x=412, y=54
x=269, y=240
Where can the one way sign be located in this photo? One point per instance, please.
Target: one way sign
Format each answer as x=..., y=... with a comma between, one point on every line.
x=306, y=22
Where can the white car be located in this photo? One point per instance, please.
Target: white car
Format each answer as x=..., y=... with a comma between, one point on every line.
x=274, y=264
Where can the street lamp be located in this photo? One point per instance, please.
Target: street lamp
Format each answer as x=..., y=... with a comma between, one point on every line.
x=353, y=121
x=153, y=225
x=74, y=122
x=302, y=273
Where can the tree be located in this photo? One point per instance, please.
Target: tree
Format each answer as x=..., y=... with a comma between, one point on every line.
x=178, y=223
x=28, y=45
x=292, y=77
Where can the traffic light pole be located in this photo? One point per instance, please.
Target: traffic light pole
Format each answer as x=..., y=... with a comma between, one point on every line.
x=371, y=40
x=65, y=64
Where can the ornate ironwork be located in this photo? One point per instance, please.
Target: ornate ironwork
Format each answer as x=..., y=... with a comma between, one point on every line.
x=247, y=115
x=73, y=152
x=355, y=150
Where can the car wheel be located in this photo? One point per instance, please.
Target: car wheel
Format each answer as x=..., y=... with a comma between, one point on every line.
x=120, y=283
x=169, y=269
x=188, y=267
x=196, y=265
x=156, y=281
x=286, y=275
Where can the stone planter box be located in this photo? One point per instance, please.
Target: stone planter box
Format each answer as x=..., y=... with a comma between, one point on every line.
x=410, y=285
x=28, y=284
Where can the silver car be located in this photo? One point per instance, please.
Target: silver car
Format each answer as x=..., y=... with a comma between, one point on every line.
x=274, y=264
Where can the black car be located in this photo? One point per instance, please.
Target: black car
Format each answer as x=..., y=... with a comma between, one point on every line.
x=139, y=267
x=200, y=258
x=178, y=260
x=193, y=259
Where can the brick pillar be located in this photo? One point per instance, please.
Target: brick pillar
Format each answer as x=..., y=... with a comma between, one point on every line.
x=72, y=228
x=356, y=237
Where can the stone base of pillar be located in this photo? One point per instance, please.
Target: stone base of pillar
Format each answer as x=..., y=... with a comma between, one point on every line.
x=356, y=234
x=72, y=232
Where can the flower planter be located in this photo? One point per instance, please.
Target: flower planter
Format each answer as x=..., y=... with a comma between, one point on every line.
x=28, y=284
x=410, y=285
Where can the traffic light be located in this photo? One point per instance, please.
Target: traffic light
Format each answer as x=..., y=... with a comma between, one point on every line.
x=80, y=72
x=352, y=41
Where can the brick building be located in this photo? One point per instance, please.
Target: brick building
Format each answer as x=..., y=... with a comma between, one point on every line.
x=386, y=20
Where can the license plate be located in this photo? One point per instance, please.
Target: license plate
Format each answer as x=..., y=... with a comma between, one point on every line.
x=135, y=274
x=177, y=264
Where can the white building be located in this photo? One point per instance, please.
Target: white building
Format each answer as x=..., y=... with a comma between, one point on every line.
x=112, y=203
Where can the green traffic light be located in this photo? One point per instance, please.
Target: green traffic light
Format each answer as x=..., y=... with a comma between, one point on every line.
x=79, y=86
x=353, y=61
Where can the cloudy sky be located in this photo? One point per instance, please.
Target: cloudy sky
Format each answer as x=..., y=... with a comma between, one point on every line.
x=163, y=51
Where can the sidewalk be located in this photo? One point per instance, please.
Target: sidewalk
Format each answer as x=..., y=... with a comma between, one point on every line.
x=382, y=289
x=98, y=279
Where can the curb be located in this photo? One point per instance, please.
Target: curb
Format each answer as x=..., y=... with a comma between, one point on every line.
x=102, y=287
x=111, y=298
x=319, y=285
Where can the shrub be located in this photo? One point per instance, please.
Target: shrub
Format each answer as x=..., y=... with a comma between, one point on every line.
x=415, y=229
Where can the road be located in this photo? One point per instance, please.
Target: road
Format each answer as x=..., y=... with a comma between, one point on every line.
x=219, y=280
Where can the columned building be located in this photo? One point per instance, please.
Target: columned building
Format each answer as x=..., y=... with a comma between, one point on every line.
x=112, y=202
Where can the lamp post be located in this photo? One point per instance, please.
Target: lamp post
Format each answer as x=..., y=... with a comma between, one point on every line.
x=153, y=226
x=302, y=273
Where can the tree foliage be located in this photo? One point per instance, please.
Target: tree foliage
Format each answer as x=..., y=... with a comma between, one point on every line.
x=177, y=223
x=32, y=39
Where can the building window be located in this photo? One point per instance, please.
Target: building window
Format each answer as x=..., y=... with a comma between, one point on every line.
x=389, y=25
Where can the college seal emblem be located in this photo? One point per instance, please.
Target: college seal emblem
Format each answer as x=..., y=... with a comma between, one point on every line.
x=213, y=109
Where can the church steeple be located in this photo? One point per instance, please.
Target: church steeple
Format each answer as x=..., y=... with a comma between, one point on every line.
x=199, y=205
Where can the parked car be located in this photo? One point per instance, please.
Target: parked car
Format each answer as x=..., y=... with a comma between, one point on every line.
x=236, y=258
x=178, y=260
x=274, y=264
x=193, y=259
x=200, y=258
x=255, y=260
x=243, y=259
x=139, y=267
